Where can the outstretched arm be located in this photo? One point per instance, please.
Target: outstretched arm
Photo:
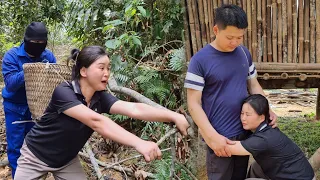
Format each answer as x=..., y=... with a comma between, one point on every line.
x=148, y=113
x=109, y=129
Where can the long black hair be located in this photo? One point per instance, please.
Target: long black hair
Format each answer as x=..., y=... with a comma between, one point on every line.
x=85, y=58
x=260, y=105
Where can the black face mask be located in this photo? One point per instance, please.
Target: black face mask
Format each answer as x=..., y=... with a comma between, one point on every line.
x=34, y=49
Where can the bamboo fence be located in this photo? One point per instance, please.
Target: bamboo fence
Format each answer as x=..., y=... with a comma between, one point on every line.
x=279, y=31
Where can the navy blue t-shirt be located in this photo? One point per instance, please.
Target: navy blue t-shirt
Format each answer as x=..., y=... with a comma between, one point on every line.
x=222, y=78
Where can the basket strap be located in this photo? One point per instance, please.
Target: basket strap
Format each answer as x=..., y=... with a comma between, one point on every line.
x=48, y=66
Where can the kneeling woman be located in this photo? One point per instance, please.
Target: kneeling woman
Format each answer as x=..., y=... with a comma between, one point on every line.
x=74, y=113
x=277, y=157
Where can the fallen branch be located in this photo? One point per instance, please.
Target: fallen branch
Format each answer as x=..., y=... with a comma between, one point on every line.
x=173, y=157
x=168, y=134
x=140, y=98
x=186, y=169
x=93, y=160
x=133, y=157
x=118, y=168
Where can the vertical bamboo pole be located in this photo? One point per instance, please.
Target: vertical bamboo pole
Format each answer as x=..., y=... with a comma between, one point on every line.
x=284, y=32
x=187, y=46
x=234, y=2
x=202, y=23
x=245, y=38
x=197, y=24
x=254, y=29
x=279, y=10
x=225, y=2
x=318, y=33
x=220, y=3
x=269, y=31
x=274, y=30
x=210, y=21
x=306, y=32
x=264, y=29
x=249, y=25
x=259, y=27
x=294, y=31
x=239, y=3
x=192, y=27
x=312, y=32
x=215, y=6
x=289, y=15
x=300, y=31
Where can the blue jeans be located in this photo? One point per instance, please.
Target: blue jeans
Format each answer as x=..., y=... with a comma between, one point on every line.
x=15, y=133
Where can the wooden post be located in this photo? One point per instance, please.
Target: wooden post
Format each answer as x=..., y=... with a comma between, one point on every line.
x=306, y=32
x=318, y=105
x=279, y=11
x=192, y=27
x=249, y=25
x=301, y=38
x=312, y=32
x=264, y=27
x=188, y=48
x=254, y=29
x=289, y=15
x=245, y=38
x=284, y=32
x=269, y=35
x=196, y=24
x=259, y=27
x=210, y=21
x=295, y=31
x=202, y=22
x=317, y=31
x=274, y=30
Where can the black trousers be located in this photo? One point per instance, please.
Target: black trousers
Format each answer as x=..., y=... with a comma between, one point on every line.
x=227, y=168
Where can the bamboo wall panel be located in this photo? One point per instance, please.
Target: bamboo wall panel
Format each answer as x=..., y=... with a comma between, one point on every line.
x=279, y=31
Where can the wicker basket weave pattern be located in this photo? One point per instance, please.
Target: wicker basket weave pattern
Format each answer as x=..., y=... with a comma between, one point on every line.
x=40, y=81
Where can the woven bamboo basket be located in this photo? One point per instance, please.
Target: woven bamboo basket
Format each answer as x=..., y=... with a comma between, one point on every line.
x=40, y=81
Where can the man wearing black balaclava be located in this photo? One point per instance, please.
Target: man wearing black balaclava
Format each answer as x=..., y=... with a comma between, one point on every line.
x=33, y=49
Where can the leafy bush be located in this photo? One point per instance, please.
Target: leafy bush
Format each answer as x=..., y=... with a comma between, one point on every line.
x=304, y=133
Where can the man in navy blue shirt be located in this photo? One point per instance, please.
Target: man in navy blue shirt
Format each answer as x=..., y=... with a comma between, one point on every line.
x=218, y=79
x=14, y=93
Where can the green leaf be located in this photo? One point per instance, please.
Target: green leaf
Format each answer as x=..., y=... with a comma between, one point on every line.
x=142, y=11
x=114, y=22
x=113, y=43
x=136, y=41
x=133, y=12
x=128, y=8
x=107, y=27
